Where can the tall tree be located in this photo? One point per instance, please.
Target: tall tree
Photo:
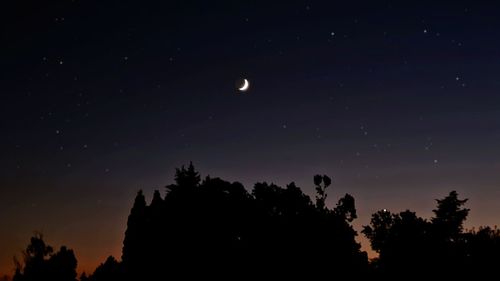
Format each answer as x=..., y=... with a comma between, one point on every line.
x=449, y=216
x=135, y=236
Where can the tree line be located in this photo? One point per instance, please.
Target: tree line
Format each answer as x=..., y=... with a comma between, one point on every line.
x=214, y=228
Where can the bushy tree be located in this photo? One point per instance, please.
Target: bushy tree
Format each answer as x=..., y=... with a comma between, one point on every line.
x=407, y=243
x=42, y=263
x=219, y=228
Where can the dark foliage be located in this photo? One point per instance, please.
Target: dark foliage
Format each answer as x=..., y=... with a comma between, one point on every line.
x=412, y=246
x=41, y=263
x=213, y=228
x=109, y=270
x=216, y=228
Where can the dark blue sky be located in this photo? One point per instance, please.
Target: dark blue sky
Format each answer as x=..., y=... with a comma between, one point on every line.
x=398, y=102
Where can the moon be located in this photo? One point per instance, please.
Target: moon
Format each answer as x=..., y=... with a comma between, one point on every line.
x=244, y=85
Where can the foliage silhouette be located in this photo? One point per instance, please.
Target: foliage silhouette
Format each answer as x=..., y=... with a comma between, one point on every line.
x=214, y=228
x=219, y=228
x=109, y=270
x=449, y=217
x=439, y=247
x=321, y=189
x=41, y=263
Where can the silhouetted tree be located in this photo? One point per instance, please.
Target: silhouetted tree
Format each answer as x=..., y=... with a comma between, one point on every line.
x=400, y=239
x=378, y=232
x=450, y=216
x=407, y=243
x=448, y=249
x=157, y=201
x=109, y=270
x=134, y=248
x=41, y=263
x=62, y=265
x=35, y=260
x=218, y=228
x=187, y=178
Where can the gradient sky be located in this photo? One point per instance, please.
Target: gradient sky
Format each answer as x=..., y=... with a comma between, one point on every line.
x=398, y=102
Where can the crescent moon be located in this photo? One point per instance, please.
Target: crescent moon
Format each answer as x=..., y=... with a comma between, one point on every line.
x=245, y=86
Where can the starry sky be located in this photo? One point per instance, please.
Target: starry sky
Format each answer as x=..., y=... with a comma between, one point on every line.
x=398, y=101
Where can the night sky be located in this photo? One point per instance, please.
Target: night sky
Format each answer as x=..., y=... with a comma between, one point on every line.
x=399, y=103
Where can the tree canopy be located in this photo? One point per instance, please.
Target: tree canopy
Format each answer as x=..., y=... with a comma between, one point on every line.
x=214, y=228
